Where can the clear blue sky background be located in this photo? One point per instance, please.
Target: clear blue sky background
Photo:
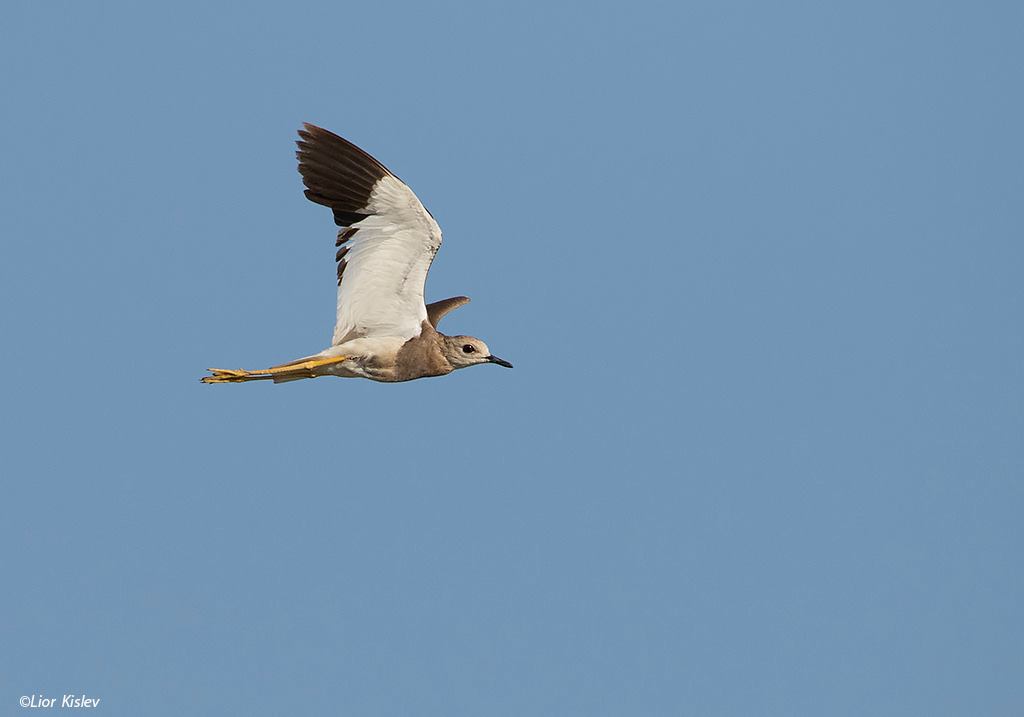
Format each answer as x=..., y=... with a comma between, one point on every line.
x=758, y=265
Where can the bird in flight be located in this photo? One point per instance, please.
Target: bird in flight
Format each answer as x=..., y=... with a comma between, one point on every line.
x=383, y=331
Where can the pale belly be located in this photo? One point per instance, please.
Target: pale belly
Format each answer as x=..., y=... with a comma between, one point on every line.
x=373, y=359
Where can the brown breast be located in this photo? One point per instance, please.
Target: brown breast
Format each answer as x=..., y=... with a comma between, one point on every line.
x=421, y=356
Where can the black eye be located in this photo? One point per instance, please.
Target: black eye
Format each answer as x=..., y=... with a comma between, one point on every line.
x=468, y=349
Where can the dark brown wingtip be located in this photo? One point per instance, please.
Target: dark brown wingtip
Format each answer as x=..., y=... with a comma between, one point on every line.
x=337, y=174
x=310, y=131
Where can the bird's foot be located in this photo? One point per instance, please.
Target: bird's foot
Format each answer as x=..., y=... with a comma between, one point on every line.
x=227, y=375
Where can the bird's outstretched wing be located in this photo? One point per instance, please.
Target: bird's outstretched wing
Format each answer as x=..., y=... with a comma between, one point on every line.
x=386, y=242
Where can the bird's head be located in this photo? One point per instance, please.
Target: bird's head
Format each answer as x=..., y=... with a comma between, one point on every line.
x=462, y=351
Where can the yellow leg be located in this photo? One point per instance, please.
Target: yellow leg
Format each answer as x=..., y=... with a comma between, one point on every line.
x=285, y=372
x=304, y=365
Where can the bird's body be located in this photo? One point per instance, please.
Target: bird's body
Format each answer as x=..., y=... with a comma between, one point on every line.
x=383, y=331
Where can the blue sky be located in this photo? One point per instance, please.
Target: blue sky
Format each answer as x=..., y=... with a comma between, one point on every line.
x=758, y=267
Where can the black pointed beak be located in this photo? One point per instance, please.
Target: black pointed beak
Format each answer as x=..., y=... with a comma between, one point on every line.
x=500, y=362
